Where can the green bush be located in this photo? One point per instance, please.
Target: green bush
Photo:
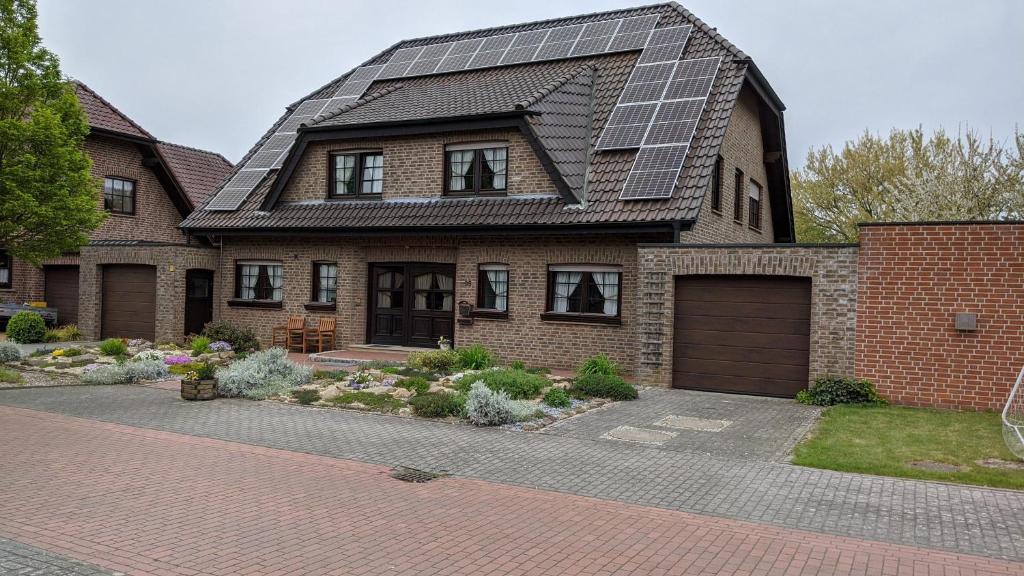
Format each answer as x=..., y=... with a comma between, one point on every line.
x=829, y=391
x=440, y=361
x=26, y=328
x=414, y=373
x=517, y=384
x=10, y=376
x=113, y=347
x=200, y=345
x=599, y=364
x=9, y=352
x=386, y=366
x=241, y=339
x=476, y=357
x=557, y=398
x=376, y=402
x=517, y=365
x=69, y=333
x=72, y=352
x=306, y=395
x=486, y=407
x=262, y=375
x=416, y=384
x=438, y=404
x=604, y=386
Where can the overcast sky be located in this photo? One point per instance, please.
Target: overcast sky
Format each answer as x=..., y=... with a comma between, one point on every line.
x=216, y=73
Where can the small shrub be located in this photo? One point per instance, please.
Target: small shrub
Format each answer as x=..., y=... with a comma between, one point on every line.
x=200, y=345
x=416, y=384
x=440, y=361
x=600, y=364
x=10, y=376
x=485, y=407
x=149, y=355
x=200, y=371
x=517, y=365
x=438, y=404
x=26, y=328
x=125, y=373
x=523, y=410
x=604, y=386
x=476, y=357
x=221, y=346
x=829, y=391
x=113, y=347
x=9, y=353
x=414, y=373
x=261, y=375
x=382, y=365
x=68, y=333
x=72, y=352
x=306, y=396
x=557, y=398
x=516, y=384
x=241, y=339
x=376, y=402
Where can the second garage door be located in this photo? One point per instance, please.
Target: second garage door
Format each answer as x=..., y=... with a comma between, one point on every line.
x=741, y=334
x=129, y=302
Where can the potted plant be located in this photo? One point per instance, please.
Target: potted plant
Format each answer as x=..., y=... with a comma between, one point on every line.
x=199, y=384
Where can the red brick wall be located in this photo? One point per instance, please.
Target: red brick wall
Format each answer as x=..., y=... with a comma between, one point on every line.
x=912, y=281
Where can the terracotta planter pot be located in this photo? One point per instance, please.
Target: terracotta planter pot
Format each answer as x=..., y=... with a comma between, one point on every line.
x=199, y=389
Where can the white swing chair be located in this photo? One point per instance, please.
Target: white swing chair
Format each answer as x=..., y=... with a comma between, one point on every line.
x=1013, y=419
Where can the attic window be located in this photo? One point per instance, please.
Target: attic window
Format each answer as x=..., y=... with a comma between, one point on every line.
x=475, y=169
x=357, y=174
x=119, y=195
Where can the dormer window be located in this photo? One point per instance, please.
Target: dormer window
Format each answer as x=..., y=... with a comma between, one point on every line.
x=356, y=174
x=118, y=195
x=476, y=169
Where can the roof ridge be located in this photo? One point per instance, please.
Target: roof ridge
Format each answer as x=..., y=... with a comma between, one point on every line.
x=85, y=87
x=713, y=32
x=194, y=149
x=550, y=87
x=321, y=117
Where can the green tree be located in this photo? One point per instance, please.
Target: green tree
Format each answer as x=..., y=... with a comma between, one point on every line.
x=907, y=176
x=48, y=199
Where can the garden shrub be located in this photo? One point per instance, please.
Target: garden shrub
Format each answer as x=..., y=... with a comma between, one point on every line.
x=516, y=384
x=306, y=396
x=557, y=398
x=416, y=384
x=382, y=365
x=200, y=371
x=242, y=339
x=10, y=376
x=600, y=364
x=604, y=386
x=149, y=355
x=438, y=404
x=113, y=347
x=830, y=390
x=73, y=351
x=523, y=410
x=68, y=333
x=517, y=365
x=440, y=361
x=126, y=373
x=414, y=373
x=200, y=345
x=9, y=353
x=476, y=357
x=261, y=375
x=26, y=328
x=377, y=402
x=485, y=407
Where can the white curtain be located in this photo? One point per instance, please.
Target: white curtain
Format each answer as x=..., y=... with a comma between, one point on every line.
x=499, y=284
x=496, y=159
x=459, y=164
x=276, y=275
x=446, y=283
x=608, y=284
x=328, y=282
x=423, y=283
x=565, y=283
x=5, y=275
x=250, y=273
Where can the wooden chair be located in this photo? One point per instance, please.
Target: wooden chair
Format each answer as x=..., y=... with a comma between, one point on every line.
x=289, y=335
x=322, y=337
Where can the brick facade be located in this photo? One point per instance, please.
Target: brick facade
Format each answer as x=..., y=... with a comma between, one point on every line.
x=414, y=165
x=913, y=280
x=833, y=274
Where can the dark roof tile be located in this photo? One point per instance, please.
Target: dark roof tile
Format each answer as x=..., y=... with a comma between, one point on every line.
x=199, y=172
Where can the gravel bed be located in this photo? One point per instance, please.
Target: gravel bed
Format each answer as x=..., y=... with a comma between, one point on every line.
x=41, y=378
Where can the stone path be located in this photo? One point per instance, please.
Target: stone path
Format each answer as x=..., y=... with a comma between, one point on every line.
x=17, y=559
x=960, y=519
x=155, y=503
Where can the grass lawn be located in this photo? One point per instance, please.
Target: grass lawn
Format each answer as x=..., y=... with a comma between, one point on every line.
x=883, y=440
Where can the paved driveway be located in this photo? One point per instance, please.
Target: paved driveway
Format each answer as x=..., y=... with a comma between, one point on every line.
x=727, y=425
x=959, y=519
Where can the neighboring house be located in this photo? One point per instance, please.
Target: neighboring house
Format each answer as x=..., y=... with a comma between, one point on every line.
x=485, y=187
x=110, y=288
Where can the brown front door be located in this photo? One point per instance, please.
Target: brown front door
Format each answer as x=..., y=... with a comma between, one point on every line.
x=198, y=300
x=411, y=304
x=129, y=302
x=60, y=290
x=742, y=334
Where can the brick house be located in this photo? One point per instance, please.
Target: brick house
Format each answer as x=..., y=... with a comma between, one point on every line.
x=494, y=186
x=138, y=259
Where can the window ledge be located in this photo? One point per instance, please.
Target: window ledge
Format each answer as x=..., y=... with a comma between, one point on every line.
x=755, y=229
x=350, y=197
x=239, y=303
x=582, y=318
x=471, y=194
x=489, y=314
x=716, y=211
x=320, y=306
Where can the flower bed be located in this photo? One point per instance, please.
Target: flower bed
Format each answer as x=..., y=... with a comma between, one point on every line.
x=79, y=359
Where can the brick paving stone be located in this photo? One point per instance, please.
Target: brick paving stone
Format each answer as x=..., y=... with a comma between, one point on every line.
x=961, y=519
x=17, y=559
x=150, y=502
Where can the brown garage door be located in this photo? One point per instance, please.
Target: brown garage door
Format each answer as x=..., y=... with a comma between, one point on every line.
x=129, y=302
x=743, y=334
x=60, y=288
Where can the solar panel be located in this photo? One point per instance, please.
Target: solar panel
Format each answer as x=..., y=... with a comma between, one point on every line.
x=524, y=47
x=627, y=126
x=264, y=158
x=653, y=184
x=647, y=83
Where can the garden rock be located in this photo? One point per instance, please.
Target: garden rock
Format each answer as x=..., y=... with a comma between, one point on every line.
x=401, y=393
x=434, y=388
x=332, y=391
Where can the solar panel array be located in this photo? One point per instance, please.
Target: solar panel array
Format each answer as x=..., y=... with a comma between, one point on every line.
x=658, y=112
